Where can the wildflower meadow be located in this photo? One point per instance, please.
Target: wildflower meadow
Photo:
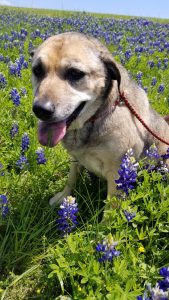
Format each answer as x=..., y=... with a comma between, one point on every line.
x=69, y=252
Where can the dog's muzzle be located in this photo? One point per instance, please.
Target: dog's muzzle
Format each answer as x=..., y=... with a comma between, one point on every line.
x=43, y=110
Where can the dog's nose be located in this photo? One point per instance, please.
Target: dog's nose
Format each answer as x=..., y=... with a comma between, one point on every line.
x=43, y=110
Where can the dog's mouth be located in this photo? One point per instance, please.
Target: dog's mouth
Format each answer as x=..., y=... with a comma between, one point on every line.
x=51, y=133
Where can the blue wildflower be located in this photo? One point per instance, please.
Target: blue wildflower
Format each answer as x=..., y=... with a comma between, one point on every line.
x=128, y=172
x=1, y=170
x=107, y=249
x=164, y=283
x=23, y=91
x=14, y=130
x=22, y=162
x=40, y=156
x=15, y=97
x=164, y=272
x=4, y=205
x=161, y=88
x=3, y=81
x=151, y=64
x=145, y=89
x=25, y=142
x=153, y=81
x=129, y=215
x=152, y=152
x=161, y=289
x=15, y=68
x=128, y=54
x=67, y=220
x=139, y=75
x=166, y=155
x=1, y=57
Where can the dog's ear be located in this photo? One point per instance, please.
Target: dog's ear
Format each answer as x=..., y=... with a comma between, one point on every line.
x=112, y=70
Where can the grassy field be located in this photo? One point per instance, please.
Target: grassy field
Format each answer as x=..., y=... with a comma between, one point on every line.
x=128, y=256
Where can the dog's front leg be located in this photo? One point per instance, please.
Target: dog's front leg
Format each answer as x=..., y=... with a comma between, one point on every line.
x=74, y=170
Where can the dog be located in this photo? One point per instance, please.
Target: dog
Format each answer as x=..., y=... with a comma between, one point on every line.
x=77, y=87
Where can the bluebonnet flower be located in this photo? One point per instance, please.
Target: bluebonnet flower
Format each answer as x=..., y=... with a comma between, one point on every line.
x=161, y=289
x=152, y=152
x=25, y=142
x=15, y=97
x=139, y=75
x=151, y=64
x=154, y=81
x=22, y=162
x=40, y=156
x=1, y=170
x=25, y=64
x=128, y=54
x=67, y=220
x=166, y=155
x=15, y=69
x=3, y=81
x=1, y=57
x=107, y=249
x=23, y=91
x=4, y=205
x=159, y=64
x=129, y=215
x=164, y=272
x=14, y=130
x=164, y=283
x=161, y=88
x=128, y=172
x=145, y=89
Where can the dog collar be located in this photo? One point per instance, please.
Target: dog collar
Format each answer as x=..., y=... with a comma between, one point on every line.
x=106, y=112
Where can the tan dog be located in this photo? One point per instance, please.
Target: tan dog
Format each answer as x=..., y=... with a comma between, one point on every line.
x=77, y=84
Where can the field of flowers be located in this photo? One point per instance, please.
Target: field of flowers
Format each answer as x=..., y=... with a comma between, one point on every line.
x=66, y=252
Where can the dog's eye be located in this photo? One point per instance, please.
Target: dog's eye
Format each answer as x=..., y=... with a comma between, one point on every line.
x=74, y=75
x=38, y=71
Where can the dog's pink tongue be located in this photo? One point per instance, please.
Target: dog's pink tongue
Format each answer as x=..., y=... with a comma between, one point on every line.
x=50, y=134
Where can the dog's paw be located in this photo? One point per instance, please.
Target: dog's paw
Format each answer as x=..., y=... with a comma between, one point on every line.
x=59, y=197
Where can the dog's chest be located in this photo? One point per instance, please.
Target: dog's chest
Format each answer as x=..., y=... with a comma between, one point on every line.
x=90, y=152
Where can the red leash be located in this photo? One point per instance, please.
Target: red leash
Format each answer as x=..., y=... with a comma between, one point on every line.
x=140, y=119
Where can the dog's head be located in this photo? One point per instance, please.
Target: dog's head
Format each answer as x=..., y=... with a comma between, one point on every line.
x=72, y=74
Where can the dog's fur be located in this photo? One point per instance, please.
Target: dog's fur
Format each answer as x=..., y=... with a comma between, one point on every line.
x=98, y=145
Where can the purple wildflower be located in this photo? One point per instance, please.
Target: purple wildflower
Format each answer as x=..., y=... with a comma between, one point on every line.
x=129, y=215
x=25, y=142
x=161, y=289
x=139, y=75
x=15, y=97
x=151, y=64
x=164, y=272
x=40, y=156
x=4, y=205
x=128, y=54
x=161, y=88
x=67, y=215
x=107, y=249
x=22, y=162
x=1, y=170
x=153, y=81
x=128, y=172
x=23, y=91
x=14, y=130
x=3, y=81
x=166, y=155
x=164, y=283
x=15, y=68
x=152, y=152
